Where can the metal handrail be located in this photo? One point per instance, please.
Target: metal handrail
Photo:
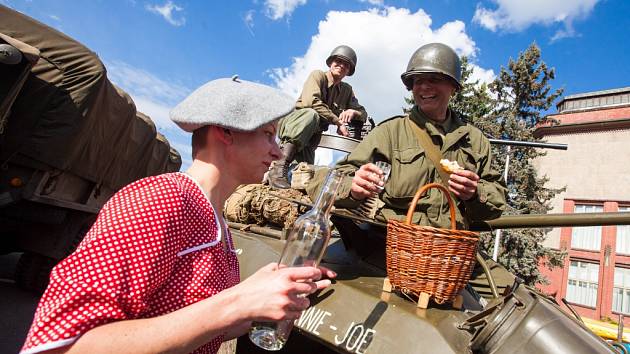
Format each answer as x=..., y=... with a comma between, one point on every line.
x=529, y=144
x=552, y=220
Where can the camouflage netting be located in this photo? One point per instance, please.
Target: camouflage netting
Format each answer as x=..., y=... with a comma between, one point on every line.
x=255, y=204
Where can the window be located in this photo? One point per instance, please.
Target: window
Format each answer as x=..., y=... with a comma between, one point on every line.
x=621, y=291
x=589, y=237
x=623, y=235
x=582, y=285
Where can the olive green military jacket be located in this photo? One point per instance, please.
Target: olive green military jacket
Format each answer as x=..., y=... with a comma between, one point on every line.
x=395, y=141
x=326, y=99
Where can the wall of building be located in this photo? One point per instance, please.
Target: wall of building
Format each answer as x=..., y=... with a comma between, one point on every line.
x=595, y=169
x=596, y=166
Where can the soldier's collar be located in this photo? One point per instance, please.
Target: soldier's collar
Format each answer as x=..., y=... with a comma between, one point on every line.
x=451, y=123
x=331, y=80
x=420, y=118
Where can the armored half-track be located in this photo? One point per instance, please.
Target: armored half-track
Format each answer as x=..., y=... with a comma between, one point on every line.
x=498, y=314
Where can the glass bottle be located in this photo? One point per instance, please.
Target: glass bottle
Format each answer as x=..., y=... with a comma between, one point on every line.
x=305, y=246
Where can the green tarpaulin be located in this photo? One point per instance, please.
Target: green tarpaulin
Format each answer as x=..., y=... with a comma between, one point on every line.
x=68, y=116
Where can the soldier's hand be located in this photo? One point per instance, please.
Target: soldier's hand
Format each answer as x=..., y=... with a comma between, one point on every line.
x=347, y=115
x=463, y=184
x=342, y=130
x=365, y=181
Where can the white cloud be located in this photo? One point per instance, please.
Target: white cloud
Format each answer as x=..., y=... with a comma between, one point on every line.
x=155, y=98
x=55, y=17
x=142, y=83
x=482, y=75
x=277, y=9
x=168, y=11
x=516, y=15
x=249, y=21
x=384, y=41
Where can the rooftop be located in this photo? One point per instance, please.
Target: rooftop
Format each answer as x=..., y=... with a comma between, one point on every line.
x=594, y=100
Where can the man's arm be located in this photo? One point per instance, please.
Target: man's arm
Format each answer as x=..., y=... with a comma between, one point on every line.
x=488, y=200
x=355, y=110
x=377, y=142
x=312, y=96
x=270, y=294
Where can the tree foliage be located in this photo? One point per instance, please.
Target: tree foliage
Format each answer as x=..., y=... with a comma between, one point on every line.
x=511, y=107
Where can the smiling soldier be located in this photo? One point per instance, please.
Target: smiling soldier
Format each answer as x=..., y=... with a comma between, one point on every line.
x=433, y=76
x=325, y=100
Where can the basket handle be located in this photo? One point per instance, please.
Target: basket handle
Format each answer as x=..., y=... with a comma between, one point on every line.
x=420, y=193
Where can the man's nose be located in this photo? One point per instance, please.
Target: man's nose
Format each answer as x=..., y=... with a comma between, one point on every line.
x=422, y=83
x=276, y=153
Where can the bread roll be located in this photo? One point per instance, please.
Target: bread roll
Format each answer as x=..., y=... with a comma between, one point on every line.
x=450, y=166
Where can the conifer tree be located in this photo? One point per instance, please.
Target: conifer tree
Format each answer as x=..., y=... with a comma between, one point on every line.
x=522, y=93
x=473, y=101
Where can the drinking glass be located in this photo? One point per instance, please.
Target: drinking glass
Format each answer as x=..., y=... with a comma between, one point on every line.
x=386, y=167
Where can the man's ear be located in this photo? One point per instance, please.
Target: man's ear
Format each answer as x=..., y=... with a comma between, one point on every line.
x=223, y=134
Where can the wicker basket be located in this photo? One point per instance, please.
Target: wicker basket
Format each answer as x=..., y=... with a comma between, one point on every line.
x=424, y=259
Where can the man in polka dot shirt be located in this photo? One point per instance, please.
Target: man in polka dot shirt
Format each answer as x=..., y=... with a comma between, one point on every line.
x=158, y=270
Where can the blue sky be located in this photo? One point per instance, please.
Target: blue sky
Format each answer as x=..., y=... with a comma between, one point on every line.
x=161, y=50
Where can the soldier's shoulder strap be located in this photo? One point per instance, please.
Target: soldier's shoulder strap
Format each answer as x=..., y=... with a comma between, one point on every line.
x=391, y=118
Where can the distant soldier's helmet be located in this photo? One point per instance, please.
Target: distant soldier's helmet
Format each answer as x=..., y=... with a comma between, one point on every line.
x=347, y=54
x=434, y=58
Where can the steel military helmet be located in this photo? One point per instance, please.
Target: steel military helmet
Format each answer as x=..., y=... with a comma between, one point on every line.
x=346, y=53
x=433, y=58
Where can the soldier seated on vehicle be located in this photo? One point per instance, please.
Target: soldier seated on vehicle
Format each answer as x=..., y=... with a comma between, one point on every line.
x=433, y=75
x=325, y=100
x=158, y=270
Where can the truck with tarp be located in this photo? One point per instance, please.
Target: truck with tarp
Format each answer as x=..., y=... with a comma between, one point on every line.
x=69, y=139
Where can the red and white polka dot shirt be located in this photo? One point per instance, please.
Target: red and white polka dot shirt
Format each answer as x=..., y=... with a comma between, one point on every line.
x=155, y=248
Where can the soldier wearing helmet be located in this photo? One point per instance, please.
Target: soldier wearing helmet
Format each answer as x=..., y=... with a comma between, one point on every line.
x=433, y=76
x=324, y=100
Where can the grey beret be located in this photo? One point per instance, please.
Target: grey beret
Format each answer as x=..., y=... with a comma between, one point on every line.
x=231, y=103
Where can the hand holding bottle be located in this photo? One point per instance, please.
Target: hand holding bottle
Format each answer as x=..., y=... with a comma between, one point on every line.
x=305, y=246
x=276, y=291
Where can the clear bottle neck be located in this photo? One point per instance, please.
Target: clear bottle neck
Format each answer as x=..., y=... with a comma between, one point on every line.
x=328, y=194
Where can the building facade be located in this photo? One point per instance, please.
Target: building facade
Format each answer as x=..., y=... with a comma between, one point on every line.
x=595, y=170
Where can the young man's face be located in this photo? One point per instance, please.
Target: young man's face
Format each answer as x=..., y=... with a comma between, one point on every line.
x=253, y=153
x=339, y=68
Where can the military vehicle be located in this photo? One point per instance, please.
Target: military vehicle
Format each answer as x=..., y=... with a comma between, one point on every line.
x=355, y=315
x=69, y=139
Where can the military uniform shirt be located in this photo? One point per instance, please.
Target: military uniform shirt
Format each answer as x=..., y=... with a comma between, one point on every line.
x=326, y=99
x=395, y=141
